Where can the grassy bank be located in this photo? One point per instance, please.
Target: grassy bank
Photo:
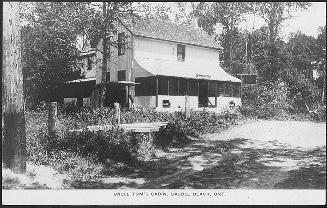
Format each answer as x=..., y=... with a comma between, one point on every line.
x=88, y=155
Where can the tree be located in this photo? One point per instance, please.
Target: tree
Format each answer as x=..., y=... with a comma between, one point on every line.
x=154, y=10
x=264, y=54
x=104, y=26
x=276, y=13
x=49, y=47
x=14, y=141
x=303, y=52
x=229, y=15
x=186, y=13
x=321, y=42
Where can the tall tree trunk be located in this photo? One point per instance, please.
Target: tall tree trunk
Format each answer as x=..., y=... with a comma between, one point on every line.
x=230, y=51
x=14, y=141
x=323, y=97
x=105, y=54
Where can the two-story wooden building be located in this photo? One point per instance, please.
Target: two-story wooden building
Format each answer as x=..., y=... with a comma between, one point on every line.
x=168, y=61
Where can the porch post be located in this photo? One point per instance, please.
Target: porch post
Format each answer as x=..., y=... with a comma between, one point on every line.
x=157, y=84
x=208, y=94
x=198, y=93
x=216, y=91
x=188, y=87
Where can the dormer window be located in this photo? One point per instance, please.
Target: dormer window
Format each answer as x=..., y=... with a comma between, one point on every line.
x=180, y=52
x=121, y=43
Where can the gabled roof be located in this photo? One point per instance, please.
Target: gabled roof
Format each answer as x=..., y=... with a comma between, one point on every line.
x=169, y=31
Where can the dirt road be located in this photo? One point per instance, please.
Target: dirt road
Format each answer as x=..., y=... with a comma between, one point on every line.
x=294, y=134
x=257, y=155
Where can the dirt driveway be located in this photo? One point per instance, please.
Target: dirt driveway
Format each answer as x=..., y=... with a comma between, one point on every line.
x=256, y=155
x=294, y=134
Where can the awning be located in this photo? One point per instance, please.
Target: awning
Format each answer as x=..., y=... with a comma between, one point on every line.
x=145, y=67
x=79, y=88
x=117, y=83
x=82, y=80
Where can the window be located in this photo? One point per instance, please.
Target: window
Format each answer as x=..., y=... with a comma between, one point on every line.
x=180, y=52
x=212, y=89
x=237, y=90
x=221, y=89
x=122, y=75
x=108, y=76
x=146, y=86
x=182, y=87
x=121, y=43
x=163, y=86
x=89, y=63
x=193, y=88
x=229, y=89
x=173, y=86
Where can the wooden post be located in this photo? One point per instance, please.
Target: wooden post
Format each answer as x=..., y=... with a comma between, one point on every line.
x=117, y=113
x=52, y=117
x=187, y=107
x=157, y=91
x=14, y=133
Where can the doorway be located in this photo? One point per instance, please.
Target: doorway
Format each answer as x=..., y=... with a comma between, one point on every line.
x=116, y=94
x=203, y=93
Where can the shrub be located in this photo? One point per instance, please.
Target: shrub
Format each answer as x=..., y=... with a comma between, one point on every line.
x=318, y=113
x=264, y=101
x=85, y=154
x=113, y=143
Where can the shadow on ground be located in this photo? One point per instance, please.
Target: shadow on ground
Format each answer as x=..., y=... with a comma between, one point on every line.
x=231, y=164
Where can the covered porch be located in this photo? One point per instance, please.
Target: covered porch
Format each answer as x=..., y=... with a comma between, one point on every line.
x=163, y=85
x=115, y=92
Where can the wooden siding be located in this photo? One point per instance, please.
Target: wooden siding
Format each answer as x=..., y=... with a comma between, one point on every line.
x=164, y=50
x=117, y=63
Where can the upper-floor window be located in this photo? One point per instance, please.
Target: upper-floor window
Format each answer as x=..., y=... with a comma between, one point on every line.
x=122, y=75
x=89, y=63
x=108, y=76
x=121, y=43
x=180, y=52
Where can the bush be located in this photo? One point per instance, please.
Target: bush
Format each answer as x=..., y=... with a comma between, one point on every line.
x=86, y=154
x=102, y=145
x=318, y=114
x=264, y=101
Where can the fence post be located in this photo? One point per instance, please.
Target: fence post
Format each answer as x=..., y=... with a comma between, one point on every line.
x=52, y=117
x=117, y=113
x=187, y=107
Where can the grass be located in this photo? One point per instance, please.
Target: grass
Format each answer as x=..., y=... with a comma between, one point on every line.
x=86, y=155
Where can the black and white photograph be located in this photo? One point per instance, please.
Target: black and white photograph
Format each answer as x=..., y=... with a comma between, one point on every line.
x=163, y=103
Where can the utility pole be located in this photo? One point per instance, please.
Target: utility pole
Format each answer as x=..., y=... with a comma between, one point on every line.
x=14, y=140
x=323, y=97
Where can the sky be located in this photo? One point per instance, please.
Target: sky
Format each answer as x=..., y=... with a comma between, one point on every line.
x=306, y=21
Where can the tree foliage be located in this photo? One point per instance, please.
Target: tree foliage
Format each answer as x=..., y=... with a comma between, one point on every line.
x=151, y=10
x=49, y=52
x=228, y=15
x=50, y=35
x=275, y=14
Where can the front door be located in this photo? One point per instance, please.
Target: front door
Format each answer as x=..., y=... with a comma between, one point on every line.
x=203, y=93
